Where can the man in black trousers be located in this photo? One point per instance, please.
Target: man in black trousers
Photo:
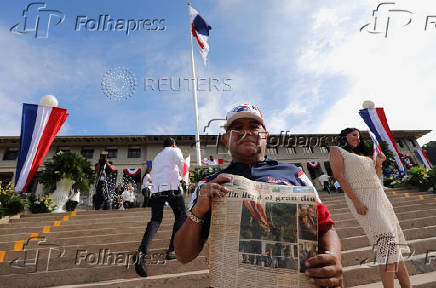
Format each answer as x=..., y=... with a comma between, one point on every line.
x=165, y=188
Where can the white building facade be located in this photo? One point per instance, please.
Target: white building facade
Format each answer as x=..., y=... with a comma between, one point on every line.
x=309, y=151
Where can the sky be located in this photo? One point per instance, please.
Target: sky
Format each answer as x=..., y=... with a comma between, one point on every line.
x=308, y=65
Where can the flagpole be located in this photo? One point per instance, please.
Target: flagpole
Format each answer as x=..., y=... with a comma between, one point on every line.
x=194, y=89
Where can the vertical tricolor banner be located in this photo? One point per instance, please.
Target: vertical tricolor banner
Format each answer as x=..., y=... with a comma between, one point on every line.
x=376, y=120
x=423, y=158
x=39, y=126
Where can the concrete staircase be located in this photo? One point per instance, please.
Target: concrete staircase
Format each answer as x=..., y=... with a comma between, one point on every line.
x=92, y=248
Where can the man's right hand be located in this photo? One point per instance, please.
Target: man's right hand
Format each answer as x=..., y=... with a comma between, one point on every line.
x=207, y=192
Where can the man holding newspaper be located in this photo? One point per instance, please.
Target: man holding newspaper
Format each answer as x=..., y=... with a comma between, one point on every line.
x=246, y=138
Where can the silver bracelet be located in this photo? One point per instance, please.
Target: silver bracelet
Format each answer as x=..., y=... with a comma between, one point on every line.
x=194, y=218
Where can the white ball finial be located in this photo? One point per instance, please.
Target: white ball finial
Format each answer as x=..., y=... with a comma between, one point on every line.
x=49, y=100
x=368, y=104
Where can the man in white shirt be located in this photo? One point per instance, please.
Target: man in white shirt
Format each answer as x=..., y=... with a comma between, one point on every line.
x=165, y=187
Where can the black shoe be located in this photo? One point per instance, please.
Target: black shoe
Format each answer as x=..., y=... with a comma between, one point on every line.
x=140, y=269
x=171, y=255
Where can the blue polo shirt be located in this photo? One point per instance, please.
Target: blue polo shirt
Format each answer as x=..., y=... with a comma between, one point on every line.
x=268, y=170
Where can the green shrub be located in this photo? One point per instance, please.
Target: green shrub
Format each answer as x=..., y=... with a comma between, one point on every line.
x=10, y=201
x=432, y=178
x=43, y=204
x=417, y=176
x=198, y=174
x=389, y=181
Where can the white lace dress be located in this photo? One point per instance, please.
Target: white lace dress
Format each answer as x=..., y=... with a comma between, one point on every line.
x=380, y=223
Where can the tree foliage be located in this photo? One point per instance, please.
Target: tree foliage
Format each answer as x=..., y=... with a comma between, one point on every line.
x=198, y=174
x=390, y=160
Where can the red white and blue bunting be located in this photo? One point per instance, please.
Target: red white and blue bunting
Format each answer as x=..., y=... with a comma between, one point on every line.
x=132, y=172
x=422, y=156
x=313, y=164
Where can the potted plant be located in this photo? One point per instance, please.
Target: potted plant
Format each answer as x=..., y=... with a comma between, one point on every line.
x=42, y=204
x=63, y=171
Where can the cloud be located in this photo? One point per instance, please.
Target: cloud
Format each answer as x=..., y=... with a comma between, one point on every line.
x=327, y=67
x=395, y=72
x=29, y=70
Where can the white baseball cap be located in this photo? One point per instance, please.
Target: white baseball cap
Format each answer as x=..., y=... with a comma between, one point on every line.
x=244, y=111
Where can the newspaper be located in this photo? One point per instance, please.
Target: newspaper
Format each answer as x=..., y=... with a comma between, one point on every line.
x=261, y=234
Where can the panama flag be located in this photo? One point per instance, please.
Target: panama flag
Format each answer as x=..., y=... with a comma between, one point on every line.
x=376, y=120
x=185, y=174
x=377, y=148
x=39, y=126
x=200, y=31
x=422, y=155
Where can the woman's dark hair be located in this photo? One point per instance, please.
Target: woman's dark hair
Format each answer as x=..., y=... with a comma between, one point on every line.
x=169, y=142
x=147, y=171
x=360, y=149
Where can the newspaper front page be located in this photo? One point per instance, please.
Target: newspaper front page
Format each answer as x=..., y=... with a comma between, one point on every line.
x=261, y=234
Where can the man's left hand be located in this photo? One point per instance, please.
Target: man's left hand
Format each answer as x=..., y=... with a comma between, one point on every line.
x=325, y=271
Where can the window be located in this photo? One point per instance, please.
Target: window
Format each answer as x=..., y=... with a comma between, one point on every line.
x=134, y=153
x=11, y=154
x=400, y=143
x=63, y=149
x=6, y=178
x=272, y=151
x=87, y=153
x=307, y=150
x=412, y=142
x=290, y=150
x=112, y=152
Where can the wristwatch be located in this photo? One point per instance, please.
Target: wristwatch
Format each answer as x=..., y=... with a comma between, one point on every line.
x=194, y=218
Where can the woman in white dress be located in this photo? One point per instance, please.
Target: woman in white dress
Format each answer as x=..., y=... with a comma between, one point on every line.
x=359, y=178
